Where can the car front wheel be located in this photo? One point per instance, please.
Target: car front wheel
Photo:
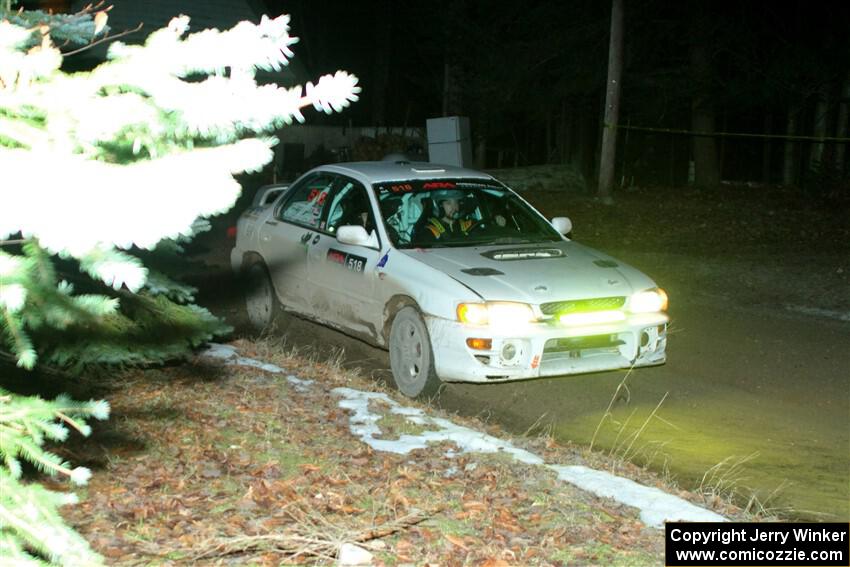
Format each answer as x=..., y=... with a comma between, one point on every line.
x=411, y=357
x=261, y=303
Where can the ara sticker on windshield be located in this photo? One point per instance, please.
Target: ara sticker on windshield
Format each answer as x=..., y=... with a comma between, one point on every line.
x=439, y=185
x=348, y=261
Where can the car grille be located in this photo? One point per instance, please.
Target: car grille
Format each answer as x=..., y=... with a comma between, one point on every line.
x=583, y=343
x=582, y=305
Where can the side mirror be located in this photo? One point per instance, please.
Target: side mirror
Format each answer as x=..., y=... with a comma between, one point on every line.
x=562, y=224
x=356, y=235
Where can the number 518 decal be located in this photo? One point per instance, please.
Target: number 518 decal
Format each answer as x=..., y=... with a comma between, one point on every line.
x=348, y=261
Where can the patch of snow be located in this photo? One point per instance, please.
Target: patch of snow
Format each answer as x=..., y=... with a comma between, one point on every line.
x=363, y=424
x=351, y=555
x=818, y=312
x=300, y=384
x=403, y=410
x=231, y=357
x=655, y=505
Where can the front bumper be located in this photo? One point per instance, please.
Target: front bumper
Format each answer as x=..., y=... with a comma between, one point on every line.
x=546, y=349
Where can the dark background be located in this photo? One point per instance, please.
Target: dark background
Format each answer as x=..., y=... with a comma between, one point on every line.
x=531, y=77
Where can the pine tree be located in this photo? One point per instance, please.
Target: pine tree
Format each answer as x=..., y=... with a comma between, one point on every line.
x=99, y=168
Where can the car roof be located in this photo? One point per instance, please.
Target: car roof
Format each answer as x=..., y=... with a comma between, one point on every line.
x=380, y=171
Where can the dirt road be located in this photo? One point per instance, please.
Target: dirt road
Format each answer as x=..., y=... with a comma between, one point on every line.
x=761, y=396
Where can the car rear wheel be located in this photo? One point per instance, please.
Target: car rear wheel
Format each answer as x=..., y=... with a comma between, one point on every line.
x=264, y=311
x=411, y=357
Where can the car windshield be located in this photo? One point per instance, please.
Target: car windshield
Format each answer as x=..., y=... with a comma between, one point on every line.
x=458, y=212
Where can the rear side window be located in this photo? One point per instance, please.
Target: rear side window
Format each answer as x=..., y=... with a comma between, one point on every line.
x=306, y=202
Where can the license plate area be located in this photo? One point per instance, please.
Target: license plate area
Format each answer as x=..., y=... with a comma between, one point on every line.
x=575, y=346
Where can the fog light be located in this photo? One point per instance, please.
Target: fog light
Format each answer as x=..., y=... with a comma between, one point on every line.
x=511, y=353
x=479, y=344
x=644, y=339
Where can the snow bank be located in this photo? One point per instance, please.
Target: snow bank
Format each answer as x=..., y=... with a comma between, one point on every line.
x=656, y=506
x=363, y=424
x=230, y=357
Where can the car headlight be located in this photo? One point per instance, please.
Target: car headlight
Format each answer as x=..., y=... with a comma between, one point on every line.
x=649, y=301
x=502, y=314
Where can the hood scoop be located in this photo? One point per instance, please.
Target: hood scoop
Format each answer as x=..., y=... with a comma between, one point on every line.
x=511, y=254
x=482, y=272
x=606, y=263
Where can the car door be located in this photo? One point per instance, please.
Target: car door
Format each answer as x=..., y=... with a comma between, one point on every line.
x=343, y=276
x=286, y=236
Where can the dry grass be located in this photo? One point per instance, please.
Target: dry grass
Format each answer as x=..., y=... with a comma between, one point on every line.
x=214, y=464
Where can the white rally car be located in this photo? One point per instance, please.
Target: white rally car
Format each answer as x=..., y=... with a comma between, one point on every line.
x=451, y=271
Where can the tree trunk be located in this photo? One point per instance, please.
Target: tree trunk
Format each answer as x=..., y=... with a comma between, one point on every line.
x=565, y=138
x=819, y=128
x=585, y=141
x=608, y=157
x=842, y=126
x=766, y=150
x=722, y=142
x=481, y=151
x=706, y=170
x=381, y=68
x=789, y=169
x=452, y=100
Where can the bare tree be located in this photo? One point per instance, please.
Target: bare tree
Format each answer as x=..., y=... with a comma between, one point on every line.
x=819, y=126
x=842, y=124
x=706, y=165
x=612, y=104
x=789, y=163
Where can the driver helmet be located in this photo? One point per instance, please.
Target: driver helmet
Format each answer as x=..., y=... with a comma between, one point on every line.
x=441, y=195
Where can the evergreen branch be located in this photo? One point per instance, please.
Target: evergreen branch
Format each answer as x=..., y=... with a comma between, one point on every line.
x=29, y=513
x=104, y=39
x=19, y=341
x=23, y=134
x=43, y=265
x=114, y=268
x=160, y=284
x=82, y=429
x=11, y=548
x=42, y=367
x=76, y=28
x=126, y=130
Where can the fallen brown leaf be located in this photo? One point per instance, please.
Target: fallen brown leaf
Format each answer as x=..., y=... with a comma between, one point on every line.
x=475, y=506
x=456, y=541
